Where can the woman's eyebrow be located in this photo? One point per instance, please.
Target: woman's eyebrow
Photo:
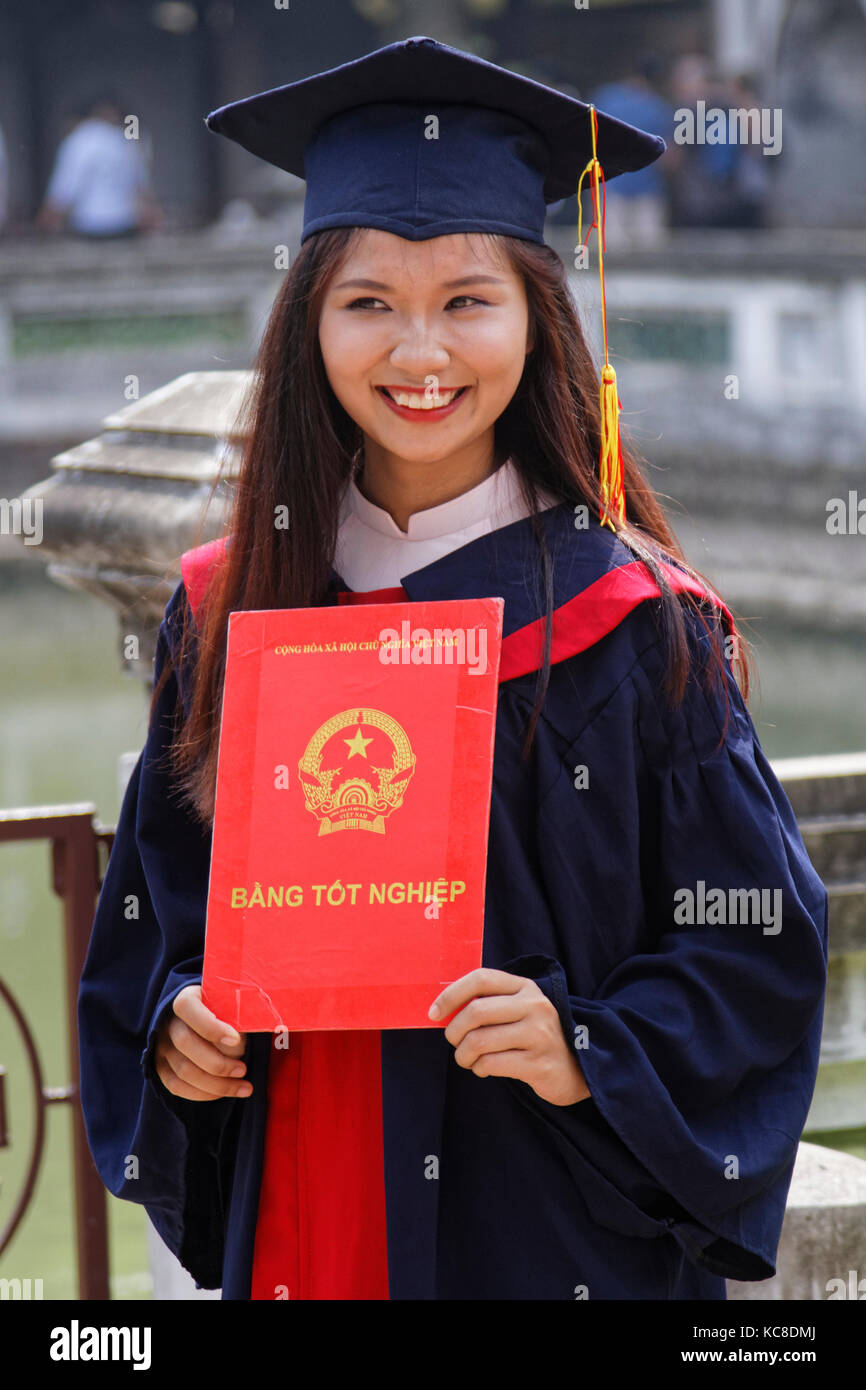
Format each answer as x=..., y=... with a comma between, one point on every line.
x=449, y=285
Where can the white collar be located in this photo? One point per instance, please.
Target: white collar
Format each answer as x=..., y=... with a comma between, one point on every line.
x=494, y=494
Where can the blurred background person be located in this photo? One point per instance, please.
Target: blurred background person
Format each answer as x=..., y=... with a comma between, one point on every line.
x=637, y=208
x=4, y=183
x=100, y=184
x=720, y=183
x=750, y=184
x=697, y=192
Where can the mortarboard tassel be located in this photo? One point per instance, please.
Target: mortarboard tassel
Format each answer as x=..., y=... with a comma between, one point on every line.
x=610, y=470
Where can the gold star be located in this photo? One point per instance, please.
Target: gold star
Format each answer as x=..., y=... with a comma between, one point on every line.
x=358, y=744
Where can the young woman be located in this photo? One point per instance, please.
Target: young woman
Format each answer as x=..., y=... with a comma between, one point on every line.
x=612, y=1107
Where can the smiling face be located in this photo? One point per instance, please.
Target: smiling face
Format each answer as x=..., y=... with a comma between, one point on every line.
x=424, y=344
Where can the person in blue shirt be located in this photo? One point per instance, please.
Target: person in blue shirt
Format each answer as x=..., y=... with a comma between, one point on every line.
x=637, y=207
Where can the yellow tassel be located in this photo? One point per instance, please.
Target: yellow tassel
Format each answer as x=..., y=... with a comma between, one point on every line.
x=610, y=469
x=610, y=462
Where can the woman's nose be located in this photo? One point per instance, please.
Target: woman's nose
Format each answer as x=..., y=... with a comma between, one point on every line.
x=419, y=353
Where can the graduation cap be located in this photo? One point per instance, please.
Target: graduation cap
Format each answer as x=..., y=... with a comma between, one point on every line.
x=423, y=140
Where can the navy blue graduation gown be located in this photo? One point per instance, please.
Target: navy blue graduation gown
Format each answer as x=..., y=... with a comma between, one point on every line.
x=699, y=1041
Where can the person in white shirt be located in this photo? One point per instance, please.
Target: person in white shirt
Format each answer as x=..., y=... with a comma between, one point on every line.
x=100, y=183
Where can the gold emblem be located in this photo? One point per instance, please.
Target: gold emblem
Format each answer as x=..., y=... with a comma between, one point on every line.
x=365, y=796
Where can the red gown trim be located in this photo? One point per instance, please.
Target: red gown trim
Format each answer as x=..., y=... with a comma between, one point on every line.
x=577, y=624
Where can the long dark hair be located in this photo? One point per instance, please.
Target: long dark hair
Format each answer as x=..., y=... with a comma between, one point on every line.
x=301, y=447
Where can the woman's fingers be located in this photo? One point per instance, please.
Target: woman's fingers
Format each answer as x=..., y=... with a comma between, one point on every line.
x=197, y=1053
x=188, y=1006
x=173, y=1067
x=209, y=1058
x=485, y=1011
x=177, y=1087
x=510, y=1038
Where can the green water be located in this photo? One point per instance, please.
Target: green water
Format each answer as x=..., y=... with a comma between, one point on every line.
x=66, y=714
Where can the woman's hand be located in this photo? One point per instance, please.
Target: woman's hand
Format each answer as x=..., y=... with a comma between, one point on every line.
x=196, y=1055
x=507, y=1026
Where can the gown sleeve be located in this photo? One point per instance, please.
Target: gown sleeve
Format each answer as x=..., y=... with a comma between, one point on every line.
x=172, y=1155
x=700, y=1042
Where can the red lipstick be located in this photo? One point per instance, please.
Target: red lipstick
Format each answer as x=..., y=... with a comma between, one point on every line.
x=407, y=412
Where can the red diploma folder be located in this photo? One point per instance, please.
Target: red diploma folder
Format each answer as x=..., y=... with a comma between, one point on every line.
x=352, y=810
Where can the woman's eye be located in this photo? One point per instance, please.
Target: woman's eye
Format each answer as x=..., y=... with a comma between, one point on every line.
x=460, y=301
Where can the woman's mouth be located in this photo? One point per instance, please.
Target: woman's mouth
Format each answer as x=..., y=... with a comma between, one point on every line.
x=422, y=403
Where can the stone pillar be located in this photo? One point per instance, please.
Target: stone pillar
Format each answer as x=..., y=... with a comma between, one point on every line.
x=120, y=509
x=822, y=1252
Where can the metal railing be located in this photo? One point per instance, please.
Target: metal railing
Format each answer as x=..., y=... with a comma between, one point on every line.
x=76, y=875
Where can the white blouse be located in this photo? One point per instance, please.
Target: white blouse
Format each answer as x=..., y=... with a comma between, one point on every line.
x=373, y=553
